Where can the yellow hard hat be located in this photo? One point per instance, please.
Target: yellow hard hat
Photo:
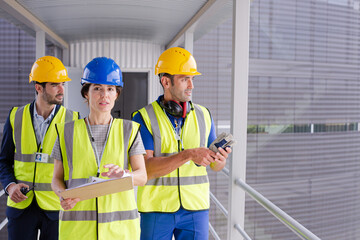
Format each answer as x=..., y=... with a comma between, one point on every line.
x=176, y=60
x=48, y=69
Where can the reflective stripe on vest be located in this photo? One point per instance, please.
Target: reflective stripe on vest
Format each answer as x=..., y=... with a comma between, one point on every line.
x=156, y=130
x=24, y=157
x=113, y=215
x=69, y=129
x=18, y=122
x=39, y=186
x=174, y=181
x=69, y=116
x=162, y=194
x=102, y=217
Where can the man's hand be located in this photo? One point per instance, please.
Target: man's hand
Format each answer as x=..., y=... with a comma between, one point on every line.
x=221, y=157
x=203, y=156
x=14, y=192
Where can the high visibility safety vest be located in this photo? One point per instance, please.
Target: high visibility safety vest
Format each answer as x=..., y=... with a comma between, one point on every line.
x=113, y=216
x=26, y=170
x=187, y=186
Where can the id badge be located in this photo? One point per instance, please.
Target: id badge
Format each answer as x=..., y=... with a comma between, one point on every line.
x=41, y=157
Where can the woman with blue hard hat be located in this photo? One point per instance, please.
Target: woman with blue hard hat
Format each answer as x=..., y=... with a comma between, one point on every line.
x=104, y=147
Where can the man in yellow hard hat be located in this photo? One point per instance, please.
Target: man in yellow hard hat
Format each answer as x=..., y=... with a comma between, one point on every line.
x=176, y=135
x=26, y=167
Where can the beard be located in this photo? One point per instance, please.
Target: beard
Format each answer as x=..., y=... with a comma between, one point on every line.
x=179, y=95
x=52, y=99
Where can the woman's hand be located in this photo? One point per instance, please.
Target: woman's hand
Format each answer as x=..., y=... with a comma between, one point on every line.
x=68, y=203
x=114, y=171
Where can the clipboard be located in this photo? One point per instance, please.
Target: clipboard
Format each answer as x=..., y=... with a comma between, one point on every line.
x=97, y=189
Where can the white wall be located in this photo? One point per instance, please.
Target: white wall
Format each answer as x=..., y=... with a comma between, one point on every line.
x=73, y=99
x=130, y=55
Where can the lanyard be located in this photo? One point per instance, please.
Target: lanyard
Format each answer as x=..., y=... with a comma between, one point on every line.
x=177, y=130
x=49, y=120
x=92, y=140
x=42, y=141
x=44, y=133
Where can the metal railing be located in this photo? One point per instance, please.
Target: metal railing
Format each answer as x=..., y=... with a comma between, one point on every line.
x=286, y=219
x=4, y=221
x=213, y=232
x=242, y=232
x=218, y=204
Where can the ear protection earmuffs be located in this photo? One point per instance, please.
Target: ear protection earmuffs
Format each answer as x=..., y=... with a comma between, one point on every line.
x=175, y=108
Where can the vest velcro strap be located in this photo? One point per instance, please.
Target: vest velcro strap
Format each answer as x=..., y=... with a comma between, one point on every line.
x=173, y=181
x=38, y=186
x=29, y=158
x=103, y=217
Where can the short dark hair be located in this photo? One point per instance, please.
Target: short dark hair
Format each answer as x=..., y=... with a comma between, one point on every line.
x=168, y=76
x=86, y=86
x=43, y=84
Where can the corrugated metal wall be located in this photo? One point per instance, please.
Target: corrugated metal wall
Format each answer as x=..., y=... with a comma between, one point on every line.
x=17, y=54
x=213, y=54
x=303, y=114
x=131, y=55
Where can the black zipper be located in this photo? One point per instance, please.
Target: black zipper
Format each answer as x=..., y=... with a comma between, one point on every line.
x=180, y=149
x=97, y=219
x=178, y=174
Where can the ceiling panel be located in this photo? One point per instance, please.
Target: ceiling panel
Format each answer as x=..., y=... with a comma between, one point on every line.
x=157, y=21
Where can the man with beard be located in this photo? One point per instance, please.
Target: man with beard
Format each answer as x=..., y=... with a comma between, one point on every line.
x=176, y=134
x=26, y=167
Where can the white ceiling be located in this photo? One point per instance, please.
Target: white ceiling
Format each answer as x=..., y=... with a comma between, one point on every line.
x=156, y=21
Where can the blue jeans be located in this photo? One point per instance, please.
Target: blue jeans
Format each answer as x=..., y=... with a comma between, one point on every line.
x=183, y=224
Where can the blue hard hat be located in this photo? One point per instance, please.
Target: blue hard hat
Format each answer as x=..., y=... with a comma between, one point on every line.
x=102, y=70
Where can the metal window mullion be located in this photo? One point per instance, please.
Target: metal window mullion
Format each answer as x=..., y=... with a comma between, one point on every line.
x=40, y=44
x=189, y=41
x=239, y=95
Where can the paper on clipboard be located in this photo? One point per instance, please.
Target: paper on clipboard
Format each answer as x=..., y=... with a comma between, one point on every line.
x=97, y=189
